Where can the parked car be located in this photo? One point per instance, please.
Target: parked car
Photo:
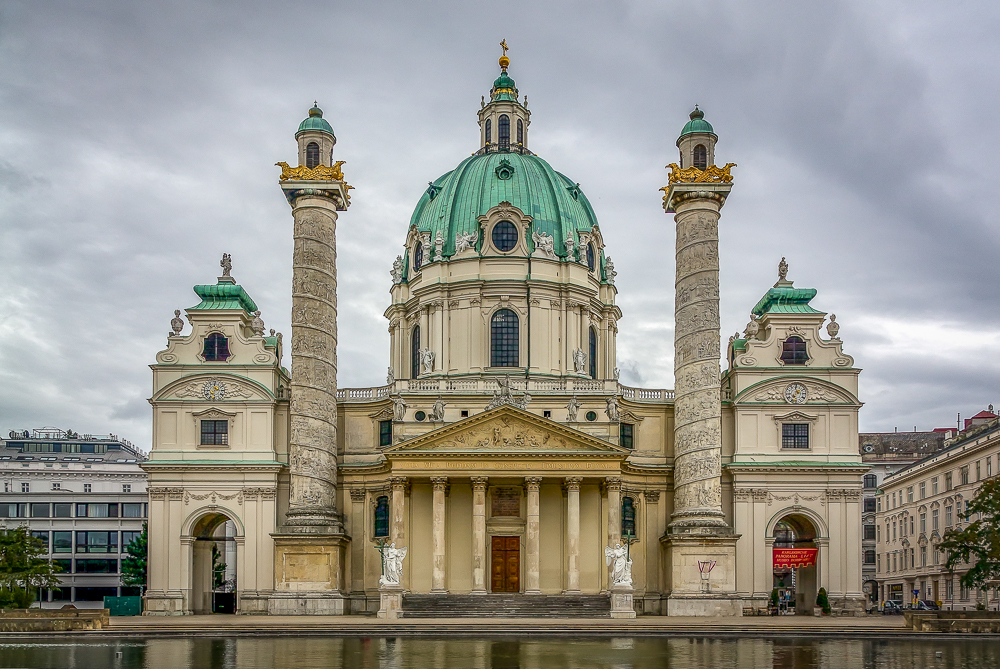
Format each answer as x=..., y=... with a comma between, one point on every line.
x=927, y=605
x=892, y=608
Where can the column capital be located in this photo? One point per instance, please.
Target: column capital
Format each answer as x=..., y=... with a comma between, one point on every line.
x=613, y=483
x=532, y=483
x=652, y=495
x=440, y=482
x=573, y=482
x=398, y=483
x=479, y=482
x=358, y=494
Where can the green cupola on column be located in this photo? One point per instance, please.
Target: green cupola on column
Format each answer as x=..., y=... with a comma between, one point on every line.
x=697, y=142
x=316, y=139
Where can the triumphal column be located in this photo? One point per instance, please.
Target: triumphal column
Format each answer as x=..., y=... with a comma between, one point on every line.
x=700, y=544
x=309, y=547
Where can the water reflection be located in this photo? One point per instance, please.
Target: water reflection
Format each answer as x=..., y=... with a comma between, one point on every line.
x=501, y=653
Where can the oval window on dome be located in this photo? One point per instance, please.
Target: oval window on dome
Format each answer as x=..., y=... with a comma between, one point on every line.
x=504, y=236
x=418, y=256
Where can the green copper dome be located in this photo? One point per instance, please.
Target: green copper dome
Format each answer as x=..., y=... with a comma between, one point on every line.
x=697, y=124
x=454, y=202
x=503, y=88
x=315, y=121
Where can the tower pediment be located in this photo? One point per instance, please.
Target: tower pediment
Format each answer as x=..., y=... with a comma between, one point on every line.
x=506, y=431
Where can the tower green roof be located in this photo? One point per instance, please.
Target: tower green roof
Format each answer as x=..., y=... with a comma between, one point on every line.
x=503, y=88
x=224, y=295
x=315, y=121
x=454, y=202
x=697, y=124
x=786, y=300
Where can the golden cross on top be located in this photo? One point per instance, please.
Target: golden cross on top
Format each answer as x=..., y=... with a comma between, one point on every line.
x=503, y=45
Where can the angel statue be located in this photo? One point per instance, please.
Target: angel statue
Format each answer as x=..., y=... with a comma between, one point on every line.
x=226, y=264
x=465, y=241
x=392, y=564
x=544, y=244
x=621, y=572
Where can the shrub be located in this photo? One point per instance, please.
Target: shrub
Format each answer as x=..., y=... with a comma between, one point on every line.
x=823, y=601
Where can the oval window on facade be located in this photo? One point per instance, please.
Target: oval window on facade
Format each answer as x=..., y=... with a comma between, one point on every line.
x=504, y=236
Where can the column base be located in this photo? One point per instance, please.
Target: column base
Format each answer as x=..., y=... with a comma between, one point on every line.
x=532, y=592
x=164, y=603
x=478, y=592
x=694, y=590
x=708, y=604
x=308, y=573
x=391, y=601
x=622, y=605
x=306, y=604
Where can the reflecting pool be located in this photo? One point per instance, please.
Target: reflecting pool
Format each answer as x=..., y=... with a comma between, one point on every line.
x=311, y=652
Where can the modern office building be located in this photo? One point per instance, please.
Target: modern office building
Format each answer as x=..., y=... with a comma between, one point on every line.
x=918, y=504
x=84, y=496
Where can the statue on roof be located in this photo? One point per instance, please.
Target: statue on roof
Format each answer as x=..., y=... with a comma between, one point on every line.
x=257, y=324
x=753, y=327
x=833, y=327
x=226, y=263
x=783, y=270
x=176, y=324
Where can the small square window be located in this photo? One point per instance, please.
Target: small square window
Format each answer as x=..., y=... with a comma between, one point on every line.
x=126, y=487
x=215, y=433
x=25, y=487
x=87, y=487
x=795, y=435
x=546, y=414
x=465, y=413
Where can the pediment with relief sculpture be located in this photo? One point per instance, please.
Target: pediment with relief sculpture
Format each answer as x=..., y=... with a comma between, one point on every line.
x=506, y=430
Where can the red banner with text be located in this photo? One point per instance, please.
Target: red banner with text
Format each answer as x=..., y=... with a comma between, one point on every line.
x=793, y=558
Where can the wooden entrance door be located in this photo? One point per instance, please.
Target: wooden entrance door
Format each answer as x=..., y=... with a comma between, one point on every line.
x=505, y=564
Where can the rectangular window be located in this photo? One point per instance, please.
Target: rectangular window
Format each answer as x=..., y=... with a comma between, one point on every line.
x=949, y=588
x=878, y=562
x=878, y=533
x=62, y=542
x=132, y=510
x=25, y=487
x=879, y=503
x=934, y=519
x=893, y=530
x=626, y=435
x=911, y=524
x=43, y=536
x=126, y=487
x=909, y=494
x=795, y=435
x=128, y=536
x=964, y=592
x=66, y=565
x=87, y=487
x=923, y=489
x=14, y=510
x=964, y=474
x=947, y=482
x=936, y=555
x=96, y=510
x=94, y=594
x=869, y=504
x=40, y=510
x=947, y=517
x=215, y=433
x=923, y=522
x=96, y=542
x=62, y=510
x=923, y=556
x=385, y=433
x=934, y=485
x=869, y=557
x=869, y=532
x=56, y=485
x=989, y=467
x=978, y=470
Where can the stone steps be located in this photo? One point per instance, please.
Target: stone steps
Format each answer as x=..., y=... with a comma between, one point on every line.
x=506, y=606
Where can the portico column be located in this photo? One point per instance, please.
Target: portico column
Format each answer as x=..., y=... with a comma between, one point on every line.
x=531, y=571
x=397, y=527
x=614, y=485
x=573, y=534
x=479, y=535
x=438, y=536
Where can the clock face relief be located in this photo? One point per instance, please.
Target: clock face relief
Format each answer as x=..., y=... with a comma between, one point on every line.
x=215, y=389
x=795, y=393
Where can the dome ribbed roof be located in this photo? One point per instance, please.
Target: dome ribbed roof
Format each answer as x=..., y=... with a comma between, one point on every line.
x=697, y=124
x=455, y=201
x=315, y=121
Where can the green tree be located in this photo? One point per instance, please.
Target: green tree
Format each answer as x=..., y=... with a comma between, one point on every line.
x=978, y=543
x=134, y=563
x=23, y=568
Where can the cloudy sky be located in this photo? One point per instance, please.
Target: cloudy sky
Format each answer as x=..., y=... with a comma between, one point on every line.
x=138, y=142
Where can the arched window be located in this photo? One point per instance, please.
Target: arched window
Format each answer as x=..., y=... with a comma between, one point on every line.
x=382, y=516
x=520, y=131
x=418, y=256
x=871, y=481
x=628, y=518
x=593, y=353
x=489, y=130
x=216, y=348
x=793, y=351
x=700, y=157
x=415, y=353
x=504, y=236
x=590, y=257
x=503, y=132
x=312, y=155
x=504, y=339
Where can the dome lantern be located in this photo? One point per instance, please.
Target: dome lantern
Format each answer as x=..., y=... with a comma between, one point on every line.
x=316, y=139
x=503, y=121
x=697, y=142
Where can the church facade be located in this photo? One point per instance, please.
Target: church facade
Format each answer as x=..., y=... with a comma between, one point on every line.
x=502, y=452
